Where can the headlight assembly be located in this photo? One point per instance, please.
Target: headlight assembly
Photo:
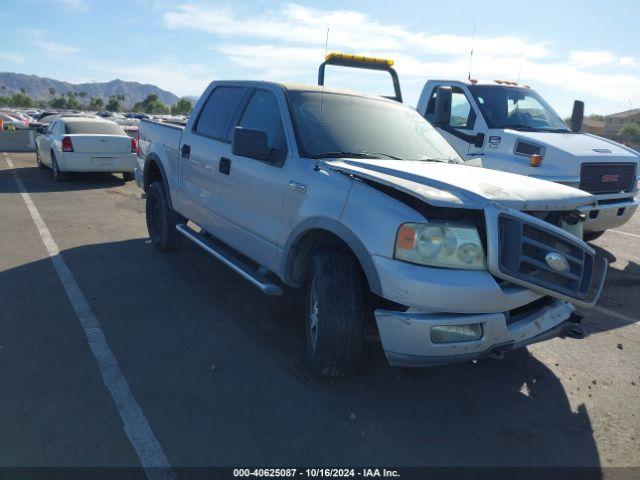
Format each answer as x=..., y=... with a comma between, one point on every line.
x=440, y=244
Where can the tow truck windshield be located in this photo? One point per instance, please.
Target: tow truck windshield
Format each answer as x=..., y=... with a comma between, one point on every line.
x=517, y=108
x=343, y=125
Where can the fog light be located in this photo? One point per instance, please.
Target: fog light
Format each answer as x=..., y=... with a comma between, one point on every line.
x=456, y=333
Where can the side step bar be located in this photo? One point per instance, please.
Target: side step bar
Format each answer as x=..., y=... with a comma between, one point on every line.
x=237, y=265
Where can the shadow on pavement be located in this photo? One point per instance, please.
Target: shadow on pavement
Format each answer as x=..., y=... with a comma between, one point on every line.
x=156, y=311
x=41, y=180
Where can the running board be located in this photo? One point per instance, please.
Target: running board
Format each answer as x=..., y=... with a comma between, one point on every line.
x=237, y=265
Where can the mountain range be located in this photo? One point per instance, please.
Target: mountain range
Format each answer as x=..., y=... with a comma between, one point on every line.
x=38, y=88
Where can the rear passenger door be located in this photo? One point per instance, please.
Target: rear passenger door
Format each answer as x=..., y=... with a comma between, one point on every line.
x=202, y=147
x=251, y=190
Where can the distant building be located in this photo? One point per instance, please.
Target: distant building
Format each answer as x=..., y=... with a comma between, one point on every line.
x=590, y=125
x=614, y=122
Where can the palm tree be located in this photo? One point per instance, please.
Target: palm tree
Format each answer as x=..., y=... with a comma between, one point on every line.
x=4, y=90
x=52, y=92
x=83, y=94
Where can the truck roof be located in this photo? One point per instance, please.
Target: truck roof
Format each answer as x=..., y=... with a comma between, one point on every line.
x=301, y=87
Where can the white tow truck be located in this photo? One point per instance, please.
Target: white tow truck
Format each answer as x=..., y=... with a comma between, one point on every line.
x=508, y=127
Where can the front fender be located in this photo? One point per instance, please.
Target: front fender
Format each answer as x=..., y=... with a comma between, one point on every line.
x=342, y=232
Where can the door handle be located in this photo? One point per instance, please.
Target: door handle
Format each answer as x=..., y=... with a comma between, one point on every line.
x=224, y=166
x=186, y=151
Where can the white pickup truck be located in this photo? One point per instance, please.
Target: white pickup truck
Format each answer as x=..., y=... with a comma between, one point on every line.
x=502, y=126
x=359, y=201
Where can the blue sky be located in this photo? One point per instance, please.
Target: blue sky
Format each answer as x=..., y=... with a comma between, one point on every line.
x=564, y=49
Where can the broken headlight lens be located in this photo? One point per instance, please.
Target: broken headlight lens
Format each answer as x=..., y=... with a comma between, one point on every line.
x=441, y=244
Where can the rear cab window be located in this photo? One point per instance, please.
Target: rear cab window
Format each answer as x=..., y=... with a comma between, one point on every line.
x=215, y=118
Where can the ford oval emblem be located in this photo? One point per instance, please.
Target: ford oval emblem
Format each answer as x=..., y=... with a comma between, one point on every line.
x=557, y=261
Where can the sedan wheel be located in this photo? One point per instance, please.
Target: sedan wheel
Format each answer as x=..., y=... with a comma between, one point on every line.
x=58, y=176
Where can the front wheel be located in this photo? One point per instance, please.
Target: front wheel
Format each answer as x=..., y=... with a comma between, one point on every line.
x=162, y=219
x=335, y=314
x=591, y=236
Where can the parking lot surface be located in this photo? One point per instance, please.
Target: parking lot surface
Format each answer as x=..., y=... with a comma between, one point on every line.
x=216, y=367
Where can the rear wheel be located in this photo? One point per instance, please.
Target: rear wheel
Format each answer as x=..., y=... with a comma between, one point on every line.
x=127, y=176
x=590, y=236
x=58, y=175
x=335, y=314
x=162, y=219
x=39, y=160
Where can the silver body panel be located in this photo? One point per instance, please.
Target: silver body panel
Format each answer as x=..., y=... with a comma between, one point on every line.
x=261, y=210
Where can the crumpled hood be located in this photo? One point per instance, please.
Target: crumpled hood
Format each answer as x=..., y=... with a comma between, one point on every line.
x=462, y=186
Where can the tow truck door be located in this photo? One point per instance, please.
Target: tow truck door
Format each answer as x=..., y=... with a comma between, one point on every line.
x=464, y=118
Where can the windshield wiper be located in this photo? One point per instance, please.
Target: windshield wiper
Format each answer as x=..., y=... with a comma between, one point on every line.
x=353, y=155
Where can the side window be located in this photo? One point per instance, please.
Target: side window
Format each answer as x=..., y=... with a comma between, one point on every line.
x=217, y=113
x=462, y=115
x=262, y=113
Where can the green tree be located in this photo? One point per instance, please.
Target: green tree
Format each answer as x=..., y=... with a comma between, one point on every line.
x=596, y=116
x=72, y=101
x=630, y=128
x=58, y=103
x=151, y=104
x=82, y=96
x=21, y=100
x=96, y=104
x=113, y=105
x=181, y=107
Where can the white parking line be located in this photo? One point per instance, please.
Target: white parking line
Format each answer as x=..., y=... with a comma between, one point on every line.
x=135, y=423
x=620, y=232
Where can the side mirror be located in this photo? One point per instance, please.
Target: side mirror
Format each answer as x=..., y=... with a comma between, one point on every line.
x=577, y=116
x=254, y=144
x=443, y=106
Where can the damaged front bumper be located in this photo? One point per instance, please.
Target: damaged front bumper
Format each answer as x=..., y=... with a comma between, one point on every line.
x=407, y=336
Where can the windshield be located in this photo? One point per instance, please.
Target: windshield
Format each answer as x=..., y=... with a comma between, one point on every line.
x=345, y=125
x=516, y=108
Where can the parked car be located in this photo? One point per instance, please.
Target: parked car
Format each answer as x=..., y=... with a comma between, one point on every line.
x=8, y=120
x=361, y=203
x=83, y=144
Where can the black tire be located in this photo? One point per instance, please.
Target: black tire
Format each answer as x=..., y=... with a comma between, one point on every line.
x=591, y=236
x=127, y=176
x=162, y=219
x=58, y=175
x=336, y=298
x=39, y=160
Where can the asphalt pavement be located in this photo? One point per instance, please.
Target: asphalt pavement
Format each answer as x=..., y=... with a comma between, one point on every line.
x=215, y=367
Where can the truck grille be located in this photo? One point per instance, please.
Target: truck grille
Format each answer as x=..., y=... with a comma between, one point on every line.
x=607, y=177
x=523, y=249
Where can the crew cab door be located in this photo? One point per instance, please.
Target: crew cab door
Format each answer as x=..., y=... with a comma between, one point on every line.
x=250, y=191
x=202, y=146
x=464, y=119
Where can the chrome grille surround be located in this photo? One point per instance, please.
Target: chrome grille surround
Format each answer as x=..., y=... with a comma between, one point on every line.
x=517, y=245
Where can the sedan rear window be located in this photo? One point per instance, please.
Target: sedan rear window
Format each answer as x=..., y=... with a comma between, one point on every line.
x=93, y=128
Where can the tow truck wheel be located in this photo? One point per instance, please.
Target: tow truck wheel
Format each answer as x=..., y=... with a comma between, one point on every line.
x=335, y=314
x=590, y=236
x=161, y=219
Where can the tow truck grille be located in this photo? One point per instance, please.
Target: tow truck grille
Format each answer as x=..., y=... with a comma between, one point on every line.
x=523, y=249
x=607, y=177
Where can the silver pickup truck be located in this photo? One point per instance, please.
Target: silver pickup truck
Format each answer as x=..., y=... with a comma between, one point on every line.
x=361, y=203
